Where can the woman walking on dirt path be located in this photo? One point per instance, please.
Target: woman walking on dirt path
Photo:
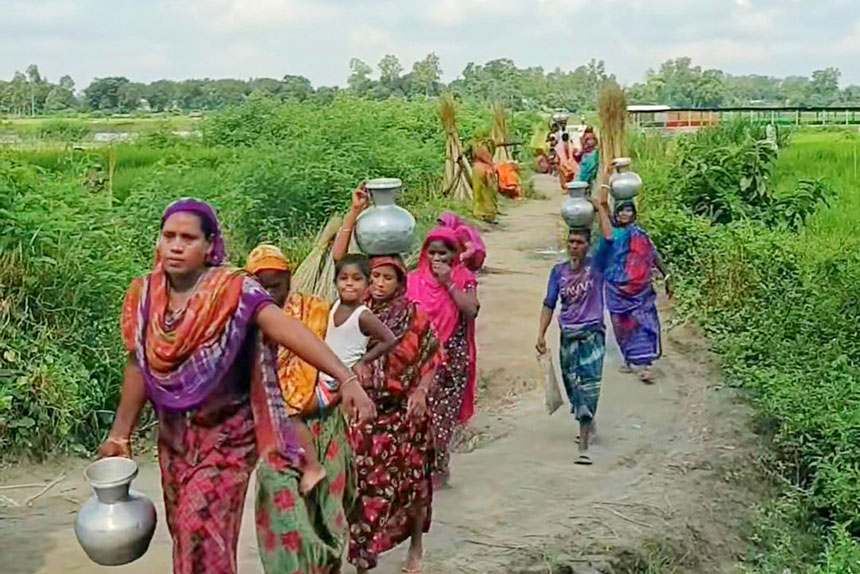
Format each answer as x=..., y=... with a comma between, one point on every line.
x=579, y=284
x=191, y=330
x=394, y=453
x=484, y=184
x=568, y=162
x=589, y=157
x=446, y=291
x=630, y=296
x=297, y=533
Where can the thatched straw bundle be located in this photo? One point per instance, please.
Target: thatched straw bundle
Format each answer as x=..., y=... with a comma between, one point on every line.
x=315, y=275
x=613, y=124
x=458, y=171
x=500, y=134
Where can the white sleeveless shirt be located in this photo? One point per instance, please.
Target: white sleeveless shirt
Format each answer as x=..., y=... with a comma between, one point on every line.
x=347, y=341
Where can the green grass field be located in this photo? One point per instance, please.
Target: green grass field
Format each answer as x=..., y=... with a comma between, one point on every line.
x=781, y=307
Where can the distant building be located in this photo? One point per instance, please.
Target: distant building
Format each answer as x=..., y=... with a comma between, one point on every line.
x=691, y=119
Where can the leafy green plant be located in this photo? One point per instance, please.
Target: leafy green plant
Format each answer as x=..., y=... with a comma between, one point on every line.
x=68, y=250
x=771, y=276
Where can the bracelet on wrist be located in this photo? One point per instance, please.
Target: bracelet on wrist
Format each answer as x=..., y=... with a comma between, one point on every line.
x=351, y=379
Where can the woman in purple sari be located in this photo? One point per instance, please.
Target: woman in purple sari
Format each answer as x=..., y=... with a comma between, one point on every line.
x=192, y=329
x=630, y=296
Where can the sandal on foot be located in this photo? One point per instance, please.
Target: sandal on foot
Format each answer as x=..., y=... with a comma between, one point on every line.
x=625, y=369
x=584, y=459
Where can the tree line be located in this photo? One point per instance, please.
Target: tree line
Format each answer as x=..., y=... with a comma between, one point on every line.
x=676, y=82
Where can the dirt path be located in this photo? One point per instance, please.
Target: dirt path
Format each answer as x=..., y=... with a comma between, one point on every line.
x=667, y=487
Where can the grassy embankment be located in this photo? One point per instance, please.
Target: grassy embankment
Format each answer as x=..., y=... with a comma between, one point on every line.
x=772, y=275
x=78, y=224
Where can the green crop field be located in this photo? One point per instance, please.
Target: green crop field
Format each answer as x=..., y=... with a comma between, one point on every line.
x=79, y=223
x=772, y=275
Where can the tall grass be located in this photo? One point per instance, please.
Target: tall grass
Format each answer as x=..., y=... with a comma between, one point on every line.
x=781, y=306
x=71, y=239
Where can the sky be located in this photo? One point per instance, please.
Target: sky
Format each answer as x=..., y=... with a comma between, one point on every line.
x=146, y=40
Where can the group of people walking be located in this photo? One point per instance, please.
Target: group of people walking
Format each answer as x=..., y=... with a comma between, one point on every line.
x=347, y=409
x=575, y=162
x=615, y=274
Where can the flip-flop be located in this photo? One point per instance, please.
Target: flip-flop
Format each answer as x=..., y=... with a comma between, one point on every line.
x=584, y=459
x=647, y=377
x=625, y=369
x=408, y=570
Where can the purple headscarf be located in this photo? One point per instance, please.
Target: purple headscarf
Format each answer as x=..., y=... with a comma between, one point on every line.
x=209, y=223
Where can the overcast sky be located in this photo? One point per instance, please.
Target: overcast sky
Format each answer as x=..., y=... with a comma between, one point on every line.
x=147, y=40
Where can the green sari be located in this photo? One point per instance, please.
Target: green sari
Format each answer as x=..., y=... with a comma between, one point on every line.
x=307, y=534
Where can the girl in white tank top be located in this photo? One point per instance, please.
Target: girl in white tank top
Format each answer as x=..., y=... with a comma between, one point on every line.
x=351, y=328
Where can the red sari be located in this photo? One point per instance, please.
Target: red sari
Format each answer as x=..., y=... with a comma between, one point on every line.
x=393, y=454
x=568, y=166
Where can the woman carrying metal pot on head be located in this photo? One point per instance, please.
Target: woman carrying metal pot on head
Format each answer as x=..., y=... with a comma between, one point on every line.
x=394, y=452
x=630, y=296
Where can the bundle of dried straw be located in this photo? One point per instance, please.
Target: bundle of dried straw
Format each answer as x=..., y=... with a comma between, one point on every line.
x=458, y=171
x=500, y=134
x=613, y=124
x=315, y=275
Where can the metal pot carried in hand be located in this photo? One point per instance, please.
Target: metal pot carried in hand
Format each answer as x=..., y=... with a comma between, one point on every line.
x=115, y=526
x=577, y=211
x=624, y=184
x=384, y=228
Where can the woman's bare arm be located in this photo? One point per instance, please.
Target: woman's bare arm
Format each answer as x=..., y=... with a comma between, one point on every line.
x=341, y=241
x=131, y=403
x=374, y=328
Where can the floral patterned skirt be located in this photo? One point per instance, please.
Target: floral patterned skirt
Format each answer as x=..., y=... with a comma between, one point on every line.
x=204, y=474
x=307, y=534
x=446, y=398
x=393, y=457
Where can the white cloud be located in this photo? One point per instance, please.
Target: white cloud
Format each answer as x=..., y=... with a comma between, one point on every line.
x=316, y=38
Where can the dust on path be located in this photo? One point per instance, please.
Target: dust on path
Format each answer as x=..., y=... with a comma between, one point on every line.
x=667, y=483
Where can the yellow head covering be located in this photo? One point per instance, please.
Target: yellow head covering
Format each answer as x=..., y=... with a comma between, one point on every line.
x=267, y=257
x=298, y=379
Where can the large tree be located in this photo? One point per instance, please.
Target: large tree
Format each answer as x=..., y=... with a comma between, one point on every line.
x=426, y=75
x=105, y=93
x=297, y=88
x=62, y=98
x=824, y=87
x=359, y=77
x=390, y=71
